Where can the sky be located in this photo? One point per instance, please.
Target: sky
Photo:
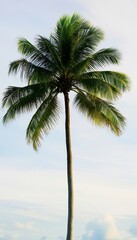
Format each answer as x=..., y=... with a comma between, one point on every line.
x=33, y=186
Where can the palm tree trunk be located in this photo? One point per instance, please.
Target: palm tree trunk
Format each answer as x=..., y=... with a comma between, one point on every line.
x=69, y=167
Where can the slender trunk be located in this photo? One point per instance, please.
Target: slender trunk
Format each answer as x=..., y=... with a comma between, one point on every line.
x=69, y=168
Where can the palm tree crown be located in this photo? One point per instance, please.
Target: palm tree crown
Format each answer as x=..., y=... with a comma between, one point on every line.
x=67, y=61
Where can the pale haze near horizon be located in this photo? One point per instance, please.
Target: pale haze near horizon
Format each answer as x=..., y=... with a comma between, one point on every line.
x=33, y=187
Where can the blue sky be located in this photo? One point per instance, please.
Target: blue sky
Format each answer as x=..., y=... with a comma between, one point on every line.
x=33, y=187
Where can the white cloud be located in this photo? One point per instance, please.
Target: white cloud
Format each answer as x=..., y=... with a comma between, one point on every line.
x=27, y=226
x=111, y=228
x=105, y=228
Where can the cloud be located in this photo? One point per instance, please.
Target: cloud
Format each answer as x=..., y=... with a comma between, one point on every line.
x=111, y=228
x=102, y=229
x=27, y=226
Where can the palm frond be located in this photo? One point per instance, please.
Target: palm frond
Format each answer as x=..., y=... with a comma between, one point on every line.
x=104, y=57
x=81, y=67
x=78, y=31
x=99, y=59
x=100, y=112
x=75, y=38
x=34, y=55
x=62, y=39
x=106, y=84
x=86, y=43
x=46, y=46
x=20, y=99
x=30, y=71
x=42, y=121
x=99, y=88
x=117, y=79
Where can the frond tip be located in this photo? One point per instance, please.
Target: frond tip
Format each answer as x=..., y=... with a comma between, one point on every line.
x=101, y=112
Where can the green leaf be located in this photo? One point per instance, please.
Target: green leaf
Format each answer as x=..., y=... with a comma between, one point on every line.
x=30, y=71
x=19, y=99
x=34, y=55
x=42, y=121
x=104, y=57
x=46, y=46
x=106, y=84
x=101, y=112
x=75, y=39
x=115, y=79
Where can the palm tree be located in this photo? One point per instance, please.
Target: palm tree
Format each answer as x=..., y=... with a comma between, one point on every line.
x=67, y=61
